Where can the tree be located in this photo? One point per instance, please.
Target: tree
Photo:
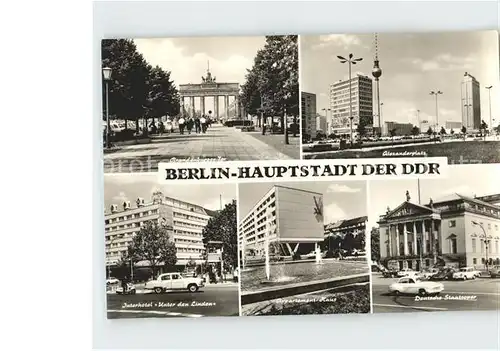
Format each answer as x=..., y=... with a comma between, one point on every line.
x=222, y=227
x=430, y=132
x=361, y=129
x=442, y=131
x=153, y=244
x=163, y=97
x=464, y=131
x=483, y=129
x=415, y=130
x=452, y=131
x=375, y=244
x=392, y=133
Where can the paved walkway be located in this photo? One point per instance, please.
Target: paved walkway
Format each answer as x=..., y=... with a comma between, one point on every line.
x=219, y=143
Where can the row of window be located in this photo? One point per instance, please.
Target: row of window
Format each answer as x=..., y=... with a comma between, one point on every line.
x=131, y=216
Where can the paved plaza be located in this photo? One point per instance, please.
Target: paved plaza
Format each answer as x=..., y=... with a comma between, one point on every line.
x=219, y=143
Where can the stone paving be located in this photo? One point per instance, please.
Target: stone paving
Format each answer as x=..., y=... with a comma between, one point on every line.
x=219, y=143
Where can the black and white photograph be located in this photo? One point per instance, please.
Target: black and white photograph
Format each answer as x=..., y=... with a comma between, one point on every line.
x=207, y=98
x=302, y=248
x=171, y=251
x=435, y=242
x=401, y=95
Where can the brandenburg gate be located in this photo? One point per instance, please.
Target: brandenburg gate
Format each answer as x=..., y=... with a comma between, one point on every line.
x=209, y=87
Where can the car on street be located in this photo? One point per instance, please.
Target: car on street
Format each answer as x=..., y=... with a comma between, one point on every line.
x=112, y=281
x=445, y=273
x=465, y=273
x=495, y=271
x=130, y=289
x=174, y=281
x=407, y=272
x=429, y=273
x=415, y=286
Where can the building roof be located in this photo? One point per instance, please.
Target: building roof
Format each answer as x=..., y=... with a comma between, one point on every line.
x=346, y=223
x=456, y=196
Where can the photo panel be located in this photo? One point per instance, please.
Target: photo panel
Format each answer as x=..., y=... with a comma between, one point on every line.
x=206, y=98
x=381, y=95
x=171, y=251
x=435, y=243
x=302, y=248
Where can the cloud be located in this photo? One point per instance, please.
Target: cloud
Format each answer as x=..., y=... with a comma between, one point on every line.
x=214, y=203
x=343, y=41
x=444, y=62
x=333, y=213
x=120, y=198
x=189, y=68
x=465, y=190
x=341, y=188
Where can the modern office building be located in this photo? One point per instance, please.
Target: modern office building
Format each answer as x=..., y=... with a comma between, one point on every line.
x=291, y=219
x=399, y=128
x=454, y=231
x=361, y=97
x=456, y=126
x=321, y=123
x=471, y=102
x=308, y=101
x=185, y=220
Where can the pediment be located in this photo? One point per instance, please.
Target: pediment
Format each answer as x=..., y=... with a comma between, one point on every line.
x=408, y=209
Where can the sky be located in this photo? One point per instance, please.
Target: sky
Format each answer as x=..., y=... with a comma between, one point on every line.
x=412, y=65
x=467, y=180
x=187, y=58
x=122, y=187
x=341, y=200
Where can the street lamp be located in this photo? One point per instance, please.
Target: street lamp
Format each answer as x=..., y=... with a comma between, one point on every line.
x=486, y=241
x=436, y=94
x=350, y=61
x=489, y=103
x=418, y=121
x=106, y=72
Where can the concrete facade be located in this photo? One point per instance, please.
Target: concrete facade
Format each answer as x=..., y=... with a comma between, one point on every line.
x=471, y=102
x=308, y=112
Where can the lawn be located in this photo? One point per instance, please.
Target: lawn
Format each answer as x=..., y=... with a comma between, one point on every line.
x=468, y=152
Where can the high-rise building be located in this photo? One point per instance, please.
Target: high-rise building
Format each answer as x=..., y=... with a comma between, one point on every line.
x=308, y=117
x=321, y=123
x=185, y=221
x=362, y=101
x=471, y=102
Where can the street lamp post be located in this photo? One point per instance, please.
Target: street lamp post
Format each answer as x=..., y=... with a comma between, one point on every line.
x=106, y=72
x=486, y=241
x=489, y=103
x=350, y=61
x=418, y=121
x=436, y=94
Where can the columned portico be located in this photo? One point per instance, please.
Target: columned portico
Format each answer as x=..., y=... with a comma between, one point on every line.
x=226, y=105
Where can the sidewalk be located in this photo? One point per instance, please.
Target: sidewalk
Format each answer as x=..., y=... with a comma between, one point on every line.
x=277, y=141
x=219, y=143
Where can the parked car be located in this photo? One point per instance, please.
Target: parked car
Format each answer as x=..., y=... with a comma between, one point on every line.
x=429, y=273
x=414, y=286
x=465, y=273
x=130, y=289
x=444, y=274
x=174, y=281
x=390, y=273
x=112, y=281
x=495, y=271
x=407, y=272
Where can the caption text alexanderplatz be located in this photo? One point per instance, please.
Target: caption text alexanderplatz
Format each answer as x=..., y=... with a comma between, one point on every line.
x=300, y=171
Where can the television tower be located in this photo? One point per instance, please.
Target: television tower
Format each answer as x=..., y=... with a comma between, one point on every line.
x=376, y=73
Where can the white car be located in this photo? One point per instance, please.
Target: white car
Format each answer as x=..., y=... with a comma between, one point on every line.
x=465, y=273
x=174, y=281
x=407, y=272
x=414, y=286
x=427, y=274
x=112, y=281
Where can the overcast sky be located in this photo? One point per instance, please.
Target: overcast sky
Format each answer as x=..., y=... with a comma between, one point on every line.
x=412, y=66
x=123, y=187
x=341, y=200
x=187, y=58
x=468, y=180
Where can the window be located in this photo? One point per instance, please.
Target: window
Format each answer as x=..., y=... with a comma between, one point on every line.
x=165, y=277
x=496, y=246
x=474, y=261
x=489, y=225
x=473, y=245
x=482, y=246
x=404, y=281
x=453, y=244
x=452, y=223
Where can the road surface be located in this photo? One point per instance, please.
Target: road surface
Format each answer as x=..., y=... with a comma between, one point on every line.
x=479, y=294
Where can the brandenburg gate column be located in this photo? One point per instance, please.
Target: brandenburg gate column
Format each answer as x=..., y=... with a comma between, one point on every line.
x=202, y=104
x=236, y=106
x=191, y=101
x=216, y=106
x=226, y=105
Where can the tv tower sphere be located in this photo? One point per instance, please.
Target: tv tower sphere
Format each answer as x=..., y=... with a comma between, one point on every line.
x=376, y=71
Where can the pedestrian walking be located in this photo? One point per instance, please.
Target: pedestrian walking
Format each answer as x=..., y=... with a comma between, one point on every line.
x=181, y=123
x=203, y=122
x=161, y=128
x=197, y=125
x=189, y=125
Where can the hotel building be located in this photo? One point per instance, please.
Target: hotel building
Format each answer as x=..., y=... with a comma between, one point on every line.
x=308, y=111
x=343, y=227
x=453, y=231
x=289, y=217
x=185, y=220
x=471, y=103
x=362, y=101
